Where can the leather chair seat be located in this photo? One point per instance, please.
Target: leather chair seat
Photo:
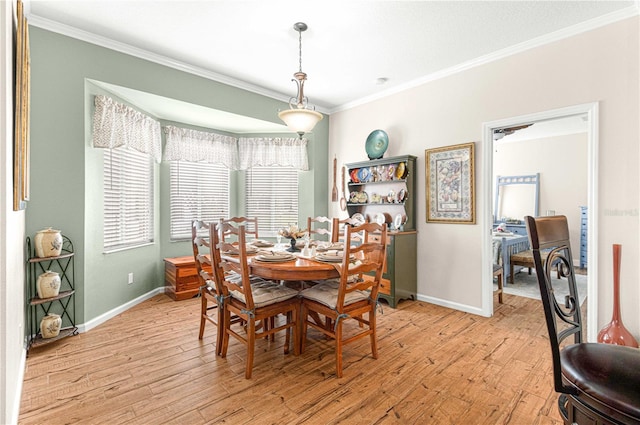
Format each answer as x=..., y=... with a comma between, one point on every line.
x=608, y=375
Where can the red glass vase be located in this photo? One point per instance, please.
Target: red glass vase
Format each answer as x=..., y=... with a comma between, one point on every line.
x=615, y=332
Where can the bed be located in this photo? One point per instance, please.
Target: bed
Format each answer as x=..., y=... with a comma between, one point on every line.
x=504, y=246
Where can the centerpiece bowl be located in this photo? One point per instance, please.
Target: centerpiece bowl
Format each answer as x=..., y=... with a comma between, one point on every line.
x=292, y=233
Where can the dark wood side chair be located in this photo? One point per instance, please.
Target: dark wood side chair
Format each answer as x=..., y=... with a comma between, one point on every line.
x=209, y=296
x=252, y=301
x=598, y=383
x=349, y=298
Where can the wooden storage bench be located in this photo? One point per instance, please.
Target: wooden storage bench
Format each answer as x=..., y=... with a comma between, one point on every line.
x=181, y=278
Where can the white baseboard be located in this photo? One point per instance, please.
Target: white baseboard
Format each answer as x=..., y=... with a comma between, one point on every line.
x=449, y=304
x=120, y=309
x=18, y=394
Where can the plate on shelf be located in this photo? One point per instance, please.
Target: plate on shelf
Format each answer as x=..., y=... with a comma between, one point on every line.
x=402, y=195
x=358, y=197
x=391, y=196
x=379, y=219
x=401, y=171
x=376, y=144
x=354, y=175
x=397, y=221
x=363, y=175
x=390, y=171
x=358, y=218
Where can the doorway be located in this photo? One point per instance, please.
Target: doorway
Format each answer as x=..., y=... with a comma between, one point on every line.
x=590, y=111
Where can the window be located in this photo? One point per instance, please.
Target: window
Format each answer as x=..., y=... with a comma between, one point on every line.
x=128, y=199
x=199, y=191
x=272, y=196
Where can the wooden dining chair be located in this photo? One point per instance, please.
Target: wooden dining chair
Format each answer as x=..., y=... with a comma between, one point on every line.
x=209, y=299
x=253, y=302
x=348, y=298
x=250, y=223
x=319, y=226
x=598, y=383
x=338, y=227
x=498, y=274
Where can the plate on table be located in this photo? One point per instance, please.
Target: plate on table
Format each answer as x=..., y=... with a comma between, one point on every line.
x=331, y=257
x=330, y=246
x=261, y=243
x=276, y=257
x=250, y=251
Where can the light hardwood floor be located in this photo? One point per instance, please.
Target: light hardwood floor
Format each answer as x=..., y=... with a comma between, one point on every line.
x=435, y=366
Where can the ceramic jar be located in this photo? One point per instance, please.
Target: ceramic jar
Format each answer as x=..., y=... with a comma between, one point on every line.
x=50, y=325
x=48, y=243
x=48, y=284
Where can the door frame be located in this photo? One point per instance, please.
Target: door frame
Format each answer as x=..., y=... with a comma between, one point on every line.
x=486, y=215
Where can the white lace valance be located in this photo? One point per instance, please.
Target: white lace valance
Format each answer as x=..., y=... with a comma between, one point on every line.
x=116, y=125
x=290, y=152
x=184, y=144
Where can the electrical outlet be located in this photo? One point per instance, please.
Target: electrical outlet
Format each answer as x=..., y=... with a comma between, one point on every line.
x=130, y=278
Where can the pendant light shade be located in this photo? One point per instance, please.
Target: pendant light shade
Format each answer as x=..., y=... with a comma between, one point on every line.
x=300, y=120
x=301, y=117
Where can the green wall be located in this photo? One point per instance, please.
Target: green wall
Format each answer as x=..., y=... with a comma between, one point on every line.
x=66, y=172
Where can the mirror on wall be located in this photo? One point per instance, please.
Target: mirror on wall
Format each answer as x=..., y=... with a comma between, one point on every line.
x=515, y=197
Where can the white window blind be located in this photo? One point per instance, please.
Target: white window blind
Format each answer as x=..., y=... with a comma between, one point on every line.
x=128, y=199
x=199, y=191
x=272, y=196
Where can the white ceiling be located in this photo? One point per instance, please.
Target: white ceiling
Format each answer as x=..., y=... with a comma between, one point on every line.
x=348, y=46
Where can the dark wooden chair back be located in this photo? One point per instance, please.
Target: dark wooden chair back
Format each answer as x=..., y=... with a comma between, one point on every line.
x=563, y=320
x=598, y=383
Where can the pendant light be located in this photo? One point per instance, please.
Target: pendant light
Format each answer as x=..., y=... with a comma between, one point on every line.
x=300, y=117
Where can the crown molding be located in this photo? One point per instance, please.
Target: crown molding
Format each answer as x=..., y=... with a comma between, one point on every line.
x=98, y=40
x=501, y=54
x=88, y=37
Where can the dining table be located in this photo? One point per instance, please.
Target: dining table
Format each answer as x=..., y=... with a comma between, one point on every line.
x=304, y=269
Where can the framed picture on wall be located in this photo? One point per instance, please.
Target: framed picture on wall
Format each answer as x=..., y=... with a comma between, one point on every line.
x=22, y=94
x=450, y=184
